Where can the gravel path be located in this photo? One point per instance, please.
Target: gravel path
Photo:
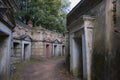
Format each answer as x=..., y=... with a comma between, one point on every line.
x=47, y=70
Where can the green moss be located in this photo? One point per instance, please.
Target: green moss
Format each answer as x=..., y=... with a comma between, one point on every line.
x=67, y=61
x=84, y=77
x=98, y=65
x=76, y=72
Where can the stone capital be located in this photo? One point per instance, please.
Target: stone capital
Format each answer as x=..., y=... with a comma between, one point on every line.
x=88, y=18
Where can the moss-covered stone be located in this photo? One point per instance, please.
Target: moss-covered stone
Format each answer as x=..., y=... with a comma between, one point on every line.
x=68, y=62
x=76, y=72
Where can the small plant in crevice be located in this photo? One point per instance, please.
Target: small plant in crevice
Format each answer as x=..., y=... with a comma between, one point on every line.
x=114, y=11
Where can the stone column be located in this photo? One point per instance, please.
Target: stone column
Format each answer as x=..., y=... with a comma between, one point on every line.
x=88, y=31
x=84, y=56
x=71, y=52
x=74, y=56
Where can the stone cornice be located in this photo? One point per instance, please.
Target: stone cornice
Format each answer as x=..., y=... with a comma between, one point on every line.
x=83, y=7
x=80, y=22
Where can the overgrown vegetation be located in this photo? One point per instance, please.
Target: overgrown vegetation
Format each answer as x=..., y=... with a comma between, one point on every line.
x=50, y=14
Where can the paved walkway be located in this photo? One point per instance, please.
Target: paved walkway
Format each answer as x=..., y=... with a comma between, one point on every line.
x=47, y=70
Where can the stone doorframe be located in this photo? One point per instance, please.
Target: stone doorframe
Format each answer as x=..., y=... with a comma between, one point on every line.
x=28, y=55
x=47, y=53
x=47, y=46
x=20, y=44
x=55, y=50
x=62, y=50
x=86, y=33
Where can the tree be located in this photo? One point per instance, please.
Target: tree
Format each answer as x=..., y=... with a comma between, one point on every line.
x=50, y=14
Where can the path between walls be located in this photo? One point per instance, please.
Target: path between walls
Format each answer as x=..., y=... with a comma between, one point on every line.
x=47, y=70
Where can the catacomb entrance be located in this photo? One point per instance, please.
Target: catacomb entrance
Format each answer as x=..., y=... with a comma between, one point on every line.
x=55, y=50
x=78, y=43
x=63, y=50
x=47, y=50
x=15, y=47
x=81, y=38
x=26, y=51
x=4, y=46
x=16, y=55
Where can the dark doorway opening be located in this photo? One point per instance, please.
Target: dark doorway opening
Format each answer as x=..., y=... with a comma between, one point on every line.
x=47, y=50
x=63, y=50
x=4, y=45
x=78, y=42
x=55, y=50
x=16, y=50
x=16, y=54
x=25, y=51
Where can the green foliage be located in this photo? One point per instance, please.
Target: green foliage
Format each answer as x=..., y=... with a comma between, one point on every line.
x=50, y=14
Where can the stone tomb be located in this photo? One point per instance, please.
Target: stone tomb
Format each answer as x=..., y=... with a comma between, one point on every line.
x=81, y=47
x=5, y=49
x=21, y=48
x=56, y=50
x=47, y=49
x=16, y=51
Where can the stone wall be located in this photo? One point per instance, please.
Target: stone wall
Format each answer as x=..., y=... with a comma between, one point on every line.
x=21, y=29
x=99, y=42
x=106, y=42
x=6, y=26
x=114, y=54
x=40, y=38
x=5, y=51
x=37, y=49
x=105, y=64
x=21, y=36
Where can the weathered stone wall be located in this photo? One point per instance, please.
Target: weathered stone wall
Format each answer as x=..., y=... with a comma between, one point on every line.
x=41, y=37
x=37, y=49
x=106, y=42
x=21, y=34
x=21, y=29
x=37, y=44
x=5, y=51
x=97, y=71
x=99, y=39
x=67, y=52
x=114, y=55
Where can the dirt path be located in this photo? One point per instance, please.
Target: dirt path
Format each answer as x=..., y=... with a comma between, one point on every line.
x=47, y=70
